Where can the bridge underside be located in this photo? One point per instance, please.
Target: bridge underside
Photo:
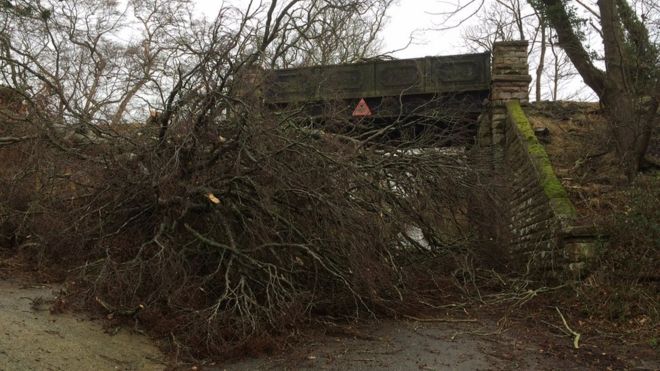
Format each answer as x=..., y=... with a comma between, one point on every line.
x=407, y=99
x=445, y=119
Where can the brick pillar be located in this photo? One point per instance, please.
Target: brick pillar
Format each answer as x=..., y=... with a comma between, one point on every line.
x=250, y=83
x=509, y=80
x=510, y=76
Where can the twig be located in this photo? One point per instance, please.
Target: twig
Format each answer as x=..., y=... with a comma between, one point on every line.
x=12, y=140
x=440, y=319
x=122, y=312
x=576, y=336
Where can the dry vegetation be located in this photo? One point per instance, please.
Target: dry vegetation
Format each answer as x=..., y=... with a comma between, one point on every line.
x=620, y=297
x=220, y=223
x=229, y=233
x=224, y=226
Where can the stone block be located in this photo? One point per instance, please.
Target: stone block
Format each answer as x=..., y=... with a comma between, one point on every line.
x=498, y=138
x=498, y=120
x=524, y=78
x=580, y=251
x=520, y=95
x=501, y=95
x=514, y=44
x=577, y=268
x=580, y=231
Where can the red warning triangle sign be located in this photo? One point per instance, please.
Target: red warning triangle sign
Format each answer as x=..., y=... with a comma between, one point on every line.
x=362, y=109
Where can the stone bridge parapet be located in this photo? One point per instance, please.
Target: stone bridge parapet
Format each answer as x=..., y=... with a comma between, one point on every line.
x=541, y=228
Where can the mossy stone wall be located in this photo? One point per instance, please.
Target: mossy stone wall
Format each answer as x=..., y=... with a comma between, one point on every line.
x=538, y=204
x=540, y=228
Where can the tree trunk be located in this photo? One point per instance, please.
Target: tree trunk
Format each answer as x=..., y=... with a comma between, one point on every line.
x=539, y=69
x=555, y=78
x=571, y=44
x=631, y=118
x=631, y=115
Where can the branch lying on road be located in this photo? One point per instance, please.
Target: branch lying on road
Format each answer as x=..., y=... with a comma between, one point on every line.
x=11, y=140
x=576, y=336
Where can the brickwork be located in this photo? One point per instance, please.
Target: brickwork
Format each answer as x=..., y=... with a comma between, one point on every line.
x=540, y=227
x=533, y=223
x=510, y=76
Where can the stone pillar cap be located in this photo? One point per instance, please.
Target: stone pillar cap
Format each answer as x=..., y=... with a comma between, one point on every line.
x=511, y=43
x=512, y=78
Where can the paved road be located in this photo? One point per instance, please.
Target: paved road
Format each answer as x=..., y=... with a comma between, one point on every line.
x=33, y=339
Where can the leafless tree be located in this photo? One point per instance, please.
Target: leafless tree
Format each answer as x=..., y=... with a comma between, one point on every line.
x=627, y=85
x=499, y=21
x=512, y=20
x=326, y=33
x=221, y=219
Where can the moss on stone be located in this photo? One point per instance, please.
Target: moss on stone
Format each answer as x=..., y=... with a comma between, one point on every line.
x=552, y=187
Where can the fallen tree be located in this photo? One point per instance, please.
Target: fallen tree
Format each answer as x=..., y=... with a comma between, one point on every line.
x=218, y=221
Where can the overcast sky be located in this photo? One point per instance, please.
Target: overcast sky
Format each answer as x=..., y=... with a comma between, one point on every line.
x=422, y=21
x=406, y=18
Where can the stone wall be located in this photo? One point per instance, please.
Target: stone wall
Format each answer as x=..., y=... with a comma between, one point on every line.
x=539, y=208
x=510, y=76
x=509, y=80
x=540, y=222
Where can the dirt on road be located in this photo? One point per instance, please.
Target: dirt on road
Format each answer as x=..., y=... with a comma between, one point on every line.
x=407, y=345
x=414, y=345
x=31, y=338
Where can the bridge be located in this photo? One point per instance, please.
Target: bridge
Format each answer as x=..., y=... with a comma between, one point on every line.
x=541, y=228
x=442, y=96
x=389, y=88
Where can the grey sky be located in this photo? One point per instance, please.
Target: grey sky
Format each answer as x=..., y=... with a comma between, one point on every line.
x=423, y=21
x=405, y=18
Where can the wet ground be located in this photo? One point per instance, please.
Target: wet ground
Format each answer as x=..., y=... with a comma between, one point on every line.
x=407, y=346
x=481, y=345
x=31, y=338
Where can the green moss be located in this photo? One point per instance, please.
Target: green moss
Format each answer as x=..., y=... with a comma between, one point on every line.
x=552, y=187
